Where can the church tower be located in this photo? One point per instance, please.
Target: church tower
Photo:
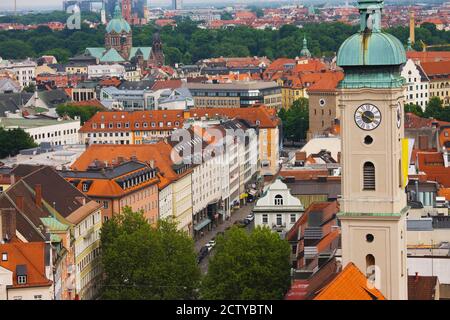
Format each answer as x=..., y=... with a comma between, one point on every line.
x=373, y=204
x=119, y=35
x=157, y=55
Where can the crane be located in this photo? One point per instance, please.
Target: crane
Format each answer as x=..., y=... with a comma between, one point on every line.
x=425, y=46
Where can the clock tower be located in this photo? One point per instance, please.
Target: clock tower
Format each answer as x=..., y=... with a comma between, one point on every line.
x=373, y=204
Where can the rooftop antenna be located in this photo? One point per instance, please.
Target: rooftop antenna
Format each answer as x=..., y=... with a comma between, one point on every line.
x=15, y=7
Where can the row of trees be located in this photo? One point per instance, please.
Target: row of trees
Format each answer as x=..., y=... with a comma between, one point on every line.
x=434, y=109
x=141, y=261
x=12, y=141
x=186, y=43
x=83, y=112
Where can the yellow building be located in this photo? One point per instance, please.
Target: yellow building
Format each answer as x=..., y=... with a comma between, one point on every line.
x=87, y=223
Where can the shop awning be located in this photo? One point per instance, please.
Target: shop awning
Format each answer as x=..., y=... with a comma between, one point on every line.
x=202, y=224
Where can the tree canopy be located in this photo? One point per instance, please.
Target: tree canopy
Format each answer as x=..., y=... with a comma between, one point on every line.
x=141, y=261
x=84, y=112
x=295, y=120
x=247, y=266
x=187, y=43
x=12, y=141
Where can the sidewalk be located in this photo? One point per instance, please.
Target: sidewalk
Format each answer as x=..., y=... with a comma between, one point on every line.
x=238, y=214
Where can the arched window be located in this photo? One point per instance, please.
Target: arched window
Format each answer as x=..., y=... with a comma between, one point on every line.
x=368, y=176
x=370, y=267
x=278, y=200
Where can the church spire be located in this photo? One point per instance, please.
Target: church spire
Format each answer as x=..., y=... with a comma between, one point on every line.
x=305, y=51
x=117, y=11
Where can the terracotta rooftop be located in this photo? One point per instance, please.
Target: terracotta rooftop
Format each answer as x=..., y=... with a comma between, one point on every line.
x=167, y=84
x=350, y=284
x=328, y=82
x=146, y=120
x=422, y=287
x=428, y=56
x=441, y=68
x=159, y=152
x=28, y=258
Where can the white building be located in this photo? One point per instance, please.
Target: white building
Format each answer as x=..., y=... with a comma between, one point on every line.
x=56, y=132
x=106, y=71
x=417, y=84
x=25, y=70
x=277, y=208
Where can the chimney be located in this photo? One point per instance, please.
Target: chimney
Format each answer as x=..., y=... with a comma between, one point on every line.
x=152, y=163
x=19, y=202
x=38, y=195
x=416, y=278
x=7, y=224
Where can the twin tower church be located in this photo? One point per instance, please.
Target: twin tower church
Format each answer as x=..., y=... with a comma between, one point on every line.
x=119, y=45
x=373, y=206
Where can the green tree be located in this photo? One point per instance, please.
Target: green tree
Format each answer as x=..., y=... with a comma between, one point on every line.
x=12, y=141
x=296, y=120
x=434, y=108
x=147, y=262
x=226, y=16
x=414, y=108
x=16, y=49
x=84, y=112
x=61, y=55
x=248, y=266
x=31, y=88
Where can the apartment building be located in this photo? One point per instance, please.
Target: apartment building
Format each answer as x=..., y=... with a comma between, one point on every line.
x=439, y=75
x=417, y=84
x=262, y=118
x=236, y=94
x=118, y=184
x=121, y=127
x=175, y=201
x=25, y=70
x=41, y=197
x=56, y=132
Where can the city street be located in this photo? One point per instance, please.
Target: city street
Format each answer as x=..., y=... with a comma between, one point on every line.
x=238, y=214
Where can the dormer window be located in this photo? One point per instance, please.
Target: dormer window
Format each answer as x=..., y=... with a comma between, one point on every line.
x=21, y=279
x=94, y=126
x=110, y=125
x=85, y=187
x=4, y=256
x=127, y=125
x=119, y=125
x=136, y=124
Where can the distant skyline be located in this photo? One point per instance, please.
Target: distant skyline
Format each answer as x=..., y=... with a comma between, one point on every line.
x=57, y=4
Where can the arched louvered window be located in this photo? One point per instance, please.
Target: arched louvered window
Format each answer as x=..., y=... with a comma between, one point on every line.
x=278, y=200
x=370, y=267
x=368, y=176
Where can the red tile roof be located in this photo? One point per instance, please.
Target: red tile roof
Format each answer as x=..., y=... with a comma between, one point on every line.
x=159, y=152
x=350, y=284
x=167, y=84
x=148, y=117
x=422, y=287
x=428, y=56
x=441, y=68
x=30, y=254
x=432, y=163
x=327, y=82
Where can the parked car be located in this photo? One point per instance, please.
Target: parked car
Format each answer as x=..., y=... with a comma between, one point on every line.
x=211, y=244
x=202, y=254
x=250, y=217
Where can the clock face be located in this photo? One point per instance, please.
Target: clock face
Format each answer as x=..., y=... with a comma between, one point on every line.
x=399, y=115
x=367, y=117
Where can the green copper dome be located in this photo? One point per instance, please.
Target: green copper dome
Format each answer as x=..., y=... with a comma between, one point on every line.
x=118, y=24
x=371, y=58
x=371, y=49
